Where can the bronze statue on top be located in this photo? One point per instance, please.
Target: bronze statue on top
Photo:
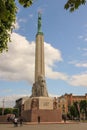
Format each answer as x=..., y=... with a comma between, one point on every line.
x=39, y=24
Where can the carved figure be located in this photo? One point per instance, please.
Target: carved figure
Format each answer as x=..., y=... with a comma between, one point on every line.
x=55, y=103
x=34, y=104
x=42, y=83
x=39, y=87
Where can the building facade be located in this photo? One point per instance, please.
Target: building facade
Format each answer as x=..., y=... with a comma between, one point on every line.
x=67, y=100
x=20, y=104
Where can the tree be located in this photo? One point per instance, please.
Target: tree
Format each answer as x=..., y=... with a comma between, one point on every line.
x=79, y=109
x=73, y=111
x=15, y=111
x=74, y=4
x=7, y=111
x=8, y=10
x=26, y=3
x=83, y=107
x=70, y=4
x=0, y=111
x=10, y=111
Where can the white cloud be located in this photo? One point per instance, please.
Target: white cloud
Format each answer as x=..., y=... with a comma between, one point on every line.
x=5, y=90
x=80, y=37
x=78, y=80
x=22, y=20
x=85, y=39
x=30, y=15
x=84, y=49
x=55, y=75
x=16, y=25
x=81, y=65
x=85, y=54
x=72, y=62
x=18, y=62
x=53, y=56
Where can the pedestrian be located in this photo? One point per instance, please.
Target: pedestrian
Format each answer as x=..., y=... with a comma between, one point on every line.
x=8, y=119
x=38, y=119
x=21, y=121
x=64, y=118
x=15, y=122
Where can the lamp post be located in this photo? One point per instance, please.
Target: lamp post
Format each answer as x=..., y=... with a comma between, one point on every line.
x=3, y=106
x=86, y=113
x=78, y=107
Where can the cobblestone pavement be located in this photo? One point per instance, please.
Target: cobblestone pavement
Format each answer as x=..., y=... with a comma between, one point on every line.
x=75, y=126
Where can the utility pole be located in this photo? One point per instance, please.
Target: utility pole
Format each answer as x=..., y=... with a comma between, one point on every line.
x=3, y=106
x=78, y=106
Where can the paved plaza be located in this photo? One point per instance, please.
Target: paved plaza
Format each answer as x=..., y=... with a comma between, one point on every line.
x=75, y=126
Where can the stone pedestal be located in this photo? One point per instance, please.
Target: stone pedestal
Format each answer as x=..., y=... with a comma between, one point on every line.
x=41, y=109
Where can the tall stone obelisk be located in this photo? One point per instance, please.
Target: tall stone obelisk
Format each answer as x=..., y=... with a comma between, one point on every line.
x=39, y=52
x=39, y=86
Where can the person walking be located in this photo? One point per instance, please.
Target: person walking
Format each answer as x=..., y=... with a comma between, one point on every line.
x=15, y=122
x=21, y=121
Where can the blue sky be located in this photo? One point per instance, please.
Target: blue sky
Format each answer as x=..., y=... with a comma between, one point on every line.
x=65, y=37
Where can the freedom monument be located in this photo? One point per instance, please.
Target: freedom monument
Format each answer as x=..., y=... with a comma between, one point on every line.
x=39, y=106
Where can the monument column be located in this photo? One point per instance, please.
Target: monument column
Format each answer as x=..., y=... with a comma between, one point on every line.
x=39, y=86
x=39, y=51
x=40, y=104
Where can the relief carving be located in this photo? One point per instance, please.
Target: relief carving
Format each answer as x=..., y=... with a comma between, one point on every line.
x=34, y=104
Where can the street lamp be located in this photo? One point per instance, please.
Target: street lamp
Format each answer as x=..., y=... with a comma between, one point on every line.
x=78, y=107
x=3, y=107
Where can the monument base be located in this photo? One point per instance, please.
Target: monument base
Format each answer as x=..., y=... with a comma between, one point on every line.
x=42, y=116
x=41, y=109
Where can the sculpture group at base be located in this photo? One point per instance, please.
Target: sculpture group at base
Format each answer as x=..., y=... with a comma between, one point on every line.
x=39, y=87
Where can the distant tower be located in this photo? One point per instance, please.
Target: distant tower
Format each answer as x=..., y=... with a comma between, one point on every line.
x=39, y=87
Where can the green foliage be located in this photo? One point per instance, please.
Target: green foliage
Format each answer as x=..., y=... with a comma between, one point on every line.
x=15, y=111
x=7, y=111
x=10, y=111
x=8, y=12
x=78, y=108
x=83, y=106
x=73, y=111
x=0, y=111
x=74, y=4
x=26, y=3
